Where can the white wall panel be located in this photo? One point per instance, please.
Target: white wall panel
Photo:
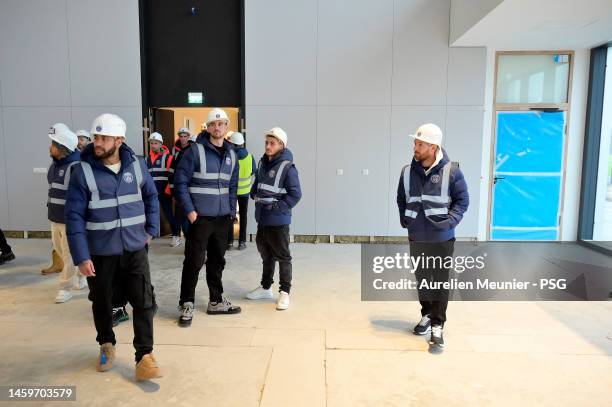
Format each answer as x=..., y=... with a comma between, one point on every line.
x=355, y=48
x=353, y=139
x=34, y=53
x=281, y=52
x=27, y=135
x=299, y=123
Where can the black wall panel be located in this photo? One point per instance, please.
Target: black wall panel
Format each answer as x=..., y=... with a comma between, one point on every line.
x=185, y=53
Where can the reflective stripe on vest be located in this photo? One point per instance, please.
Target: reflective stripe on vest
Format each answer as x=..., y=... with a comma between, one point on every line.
x=97, y=203
x=159, y=173
x=61, y=188
x=433, y=204
x=270, y=193
x=212, y=176
x=246, y=177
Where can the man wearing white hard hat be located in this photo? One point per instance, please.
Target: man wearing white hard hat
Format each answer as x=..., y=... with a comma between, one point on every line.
x=112, y=213
x=205, y=183
x=276, y=191
x=84, y=138
x=159, y=162
x=183, y=141
x=432, y=197
x=247, y=165
x=65, y=155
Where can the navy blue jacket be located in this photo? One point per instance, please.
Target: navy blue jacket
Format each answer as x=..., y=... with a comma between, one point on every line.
x=58, y=178
x=421, y=228
x=206, y=205
x=279, y=212
x=85, y=240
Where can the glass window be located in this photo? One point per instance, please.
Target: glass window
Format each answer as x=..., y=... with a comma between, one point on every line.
x=532, y=78
x=602, y=225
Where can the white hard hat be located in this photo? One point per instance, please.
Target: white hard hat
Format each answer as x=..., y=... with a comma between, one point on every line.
x=217, y=114
x=108, y=125
x=83, y=133
x=279, y=134
x=429, y=133
x=155, y=136
x=193, y=138
x=60, y=133
x=237, y=138
x=228, y=135
x=183, y=130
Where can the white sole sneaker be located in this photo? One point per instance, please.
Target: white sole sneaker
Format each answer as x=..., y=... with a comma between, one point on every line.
x=283, y=301
x=63, y=296
x=260, y=294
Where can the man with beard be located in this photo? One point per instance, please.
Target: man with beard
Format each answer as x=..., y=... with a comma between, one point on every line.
x=112, y=213
x=63, y=150
x=206, y=183
x=432, y=197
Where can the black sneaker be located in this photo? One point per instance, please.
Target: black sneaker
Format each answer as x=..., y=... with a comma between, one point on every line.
x=223, y=307
x=436, y=341
x=230, y=246
x=119, y=315
x=423, y=326
x=241, y=245
x=186, y=314
x=8, y=256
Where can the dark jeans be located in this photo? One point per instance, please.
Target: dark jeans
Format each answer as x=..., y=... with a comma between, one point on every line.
x=433, y=302
x=243, y=208
x=130, y=274
x=165, y=201
x=4, y=246
x=182, y=220
x=206, y=240
x=273, y=246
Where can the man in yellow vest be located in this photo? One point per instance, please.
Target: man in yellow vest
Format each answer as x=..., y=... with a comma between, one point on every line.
x=245, y=182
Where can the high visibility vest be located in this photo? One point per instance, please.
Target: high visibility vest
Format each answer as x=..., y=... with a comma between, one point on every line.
x=122, y=208
x=209, y=186
x=246, y=176
x=434, y=196
x=269, y=182
x=58, y=177
x=158, y=169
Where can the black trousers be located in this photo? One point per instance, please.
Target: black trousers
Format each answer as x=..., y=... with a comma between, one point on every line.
x=165, y=202
x=243, y=210
x=273, y=246
x=129, y=273
x=433, y=302
x=4, y=246
x=206, y=239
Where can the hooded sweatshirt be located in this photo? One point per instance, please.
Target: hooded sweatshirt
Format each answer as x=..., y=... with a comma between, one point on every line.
x=277, y=213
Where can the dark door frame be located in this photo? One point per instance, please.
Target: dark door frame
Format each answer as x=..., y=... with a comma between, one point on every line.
x=147, y=113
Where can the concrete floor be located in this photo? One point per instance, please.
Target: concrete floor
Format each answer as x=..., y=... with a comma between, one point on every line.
x=329, y=349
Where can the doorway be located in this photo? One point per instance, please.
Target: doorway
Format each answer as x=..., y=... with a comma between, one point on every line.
x=530, y=141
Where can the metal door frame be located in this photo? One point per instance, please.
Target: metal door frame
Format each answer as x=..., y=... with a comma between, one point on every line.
x=527, y=107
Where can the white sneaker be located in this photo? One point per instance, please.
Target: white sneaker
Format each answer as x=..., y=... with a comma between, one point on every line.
x=81, y=282
x=63, y=296
x=176, y=241
x=260, y=293
x=283, y=301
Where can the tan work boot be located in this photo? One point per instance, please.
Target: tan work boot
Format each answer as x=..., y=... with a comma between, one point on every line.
x=56, y=266
x=106, y=357
x=147, y=368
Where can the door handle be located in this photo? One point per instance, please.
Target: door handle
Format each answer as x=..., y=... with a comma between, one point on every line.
x=497, y=178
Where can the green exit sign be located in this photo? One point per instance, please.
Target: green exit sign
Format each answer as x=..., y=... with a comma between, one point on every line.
x=195, y=98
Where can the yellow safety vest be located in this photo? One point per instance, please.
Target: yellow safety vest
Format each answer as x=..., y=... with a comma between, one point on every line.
x=245, y=180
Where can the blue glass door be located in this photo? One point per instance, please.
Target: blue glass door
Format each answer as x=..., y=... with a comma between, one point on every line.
x=528, y=173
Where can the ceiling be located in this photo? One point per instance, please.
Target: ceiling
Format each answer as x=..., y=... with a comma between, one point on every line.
x=542, y=25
